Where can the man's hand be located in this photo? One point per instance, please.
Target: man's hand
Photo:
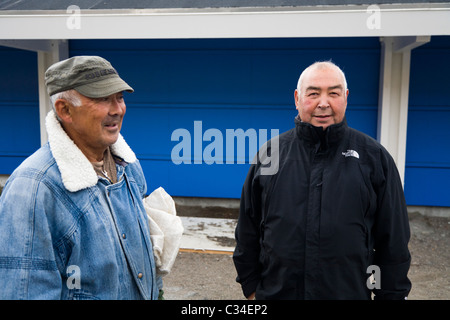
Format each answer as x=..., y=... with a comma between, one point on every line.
x=251, y=297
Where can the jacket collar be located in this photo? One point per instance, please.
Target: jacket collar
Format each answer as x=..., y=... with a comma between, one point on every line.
x=318, y=136
x=77, y=172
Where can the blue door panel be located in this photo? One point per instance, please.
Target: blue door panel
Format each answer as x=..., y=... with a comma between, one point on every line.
x=427, y=171
x=206, y=180
x=428, y=136
x=427, y=186
x=19, y=107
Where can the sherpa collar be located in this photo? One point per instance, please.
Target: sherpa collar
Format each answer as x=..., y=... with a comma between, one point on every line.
x=77, y=172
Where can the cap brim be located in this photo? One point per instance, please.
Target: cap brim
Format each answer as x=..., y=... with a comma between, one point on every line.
x=104, y=88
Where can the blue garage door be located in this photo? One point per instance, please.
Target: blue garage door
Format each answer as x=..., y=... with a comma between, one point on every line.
x=190, y=93
x=427, y=173
x=19, y=107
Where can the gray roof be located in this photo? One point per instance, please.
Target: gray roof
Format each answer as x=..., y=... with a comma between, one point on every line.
x=192, y=4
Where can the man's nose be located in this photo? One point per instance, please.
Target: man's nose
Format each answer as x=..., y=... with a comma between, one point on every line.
x=117, y=107
x=323, y=102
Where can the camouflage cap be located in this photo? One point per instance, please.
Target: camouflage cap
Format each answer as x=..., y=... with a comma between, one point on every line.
x=92, y=76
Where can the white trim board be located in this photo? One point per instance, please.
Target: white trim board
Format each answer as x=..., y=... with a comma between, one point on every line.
x=336, y=21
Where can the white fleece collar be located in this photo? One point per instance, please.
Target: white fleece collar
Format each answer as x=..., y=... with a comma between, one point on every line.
x=77, y=172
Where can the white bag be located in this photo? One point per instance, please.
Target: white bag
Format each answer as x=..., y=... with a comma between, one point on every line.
x=166, y=229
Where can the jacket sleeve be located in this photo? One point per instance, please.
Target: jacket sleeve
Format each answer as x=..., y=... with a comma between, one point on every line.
x=391, y=234
x=28, y=269
x=247, y=251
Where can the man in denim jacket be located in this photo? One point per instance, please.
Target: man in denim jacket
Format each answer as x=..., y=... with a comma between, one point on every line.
x=72, y=219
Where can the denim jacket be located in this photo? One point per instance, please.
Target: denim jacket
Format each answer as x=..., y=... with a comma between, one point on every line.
x=66, y=233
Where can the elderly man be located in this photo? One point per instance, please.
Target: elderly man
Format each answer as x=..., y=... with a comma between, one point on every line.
x=72, y=219
x=333, y=213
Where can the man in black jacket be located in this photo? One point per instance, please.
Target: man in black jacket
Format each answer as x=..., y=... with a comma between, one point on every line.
x=332, y=218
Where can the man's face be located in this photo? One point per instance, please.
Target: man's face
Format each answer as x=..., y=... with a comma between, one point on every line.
x=96, y=124
x=323, y=97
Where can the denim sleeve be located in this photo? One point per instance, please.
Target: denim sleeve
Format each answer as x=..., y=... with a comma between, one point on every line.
x=28, y=268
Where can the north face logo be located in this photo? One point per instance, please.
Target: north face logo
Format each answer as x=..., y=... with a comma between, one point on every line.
x=351, y=153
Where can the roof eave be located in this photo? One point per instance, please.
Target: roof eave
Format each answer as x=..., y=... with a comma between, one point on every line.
x=317, y=21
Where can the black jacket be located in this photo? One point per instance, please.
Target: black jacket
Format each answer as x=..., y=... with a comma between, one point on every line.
x=334, y=207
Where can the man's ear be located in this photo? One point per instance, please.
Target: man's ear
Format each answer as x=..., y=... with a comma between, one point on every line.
x=297, y=99
x=62, y=110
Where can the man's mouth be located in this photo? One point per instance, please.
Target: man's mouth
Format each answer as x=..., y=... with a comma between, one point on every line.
x=113, y=125
x=323, y=116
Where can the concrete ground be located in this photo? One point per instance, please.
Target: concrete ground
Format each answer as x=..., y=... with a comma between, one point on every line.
x=204, y=268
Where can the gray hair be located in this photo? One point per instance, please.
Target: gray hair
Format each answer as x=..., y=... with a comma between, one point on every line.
x=321, y=65
x=72, y=96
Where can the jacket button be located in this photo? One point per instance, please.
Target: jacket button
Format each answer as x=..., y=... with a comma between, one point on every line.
x=124, y=236
x=140, y=275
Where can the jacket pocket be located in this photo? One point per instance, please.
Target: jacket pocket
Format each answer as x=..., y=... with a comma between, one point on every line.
x=81, y=295
x=280, y=278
